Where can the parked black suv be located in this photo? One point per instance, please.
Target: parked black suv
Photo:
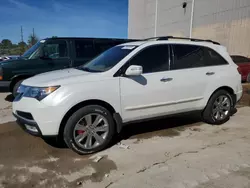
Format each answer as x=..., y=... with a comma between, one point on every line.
x=52, y=54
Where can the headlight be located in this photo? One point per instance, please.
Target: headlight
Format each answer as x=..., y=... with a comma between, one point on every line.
x=38, y=93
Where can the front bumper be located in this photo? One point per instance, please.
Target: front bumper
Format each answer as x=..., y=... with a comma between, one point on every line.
x=5, y=84
x=29, y=126
x=46, y=119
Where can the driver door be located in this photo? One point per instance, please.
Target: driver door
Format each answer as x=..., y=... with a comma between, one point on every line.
x=150, y=94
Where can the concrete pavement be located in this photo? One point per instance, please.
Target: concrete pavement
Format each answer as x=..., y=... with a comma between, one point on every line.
x=178, y=152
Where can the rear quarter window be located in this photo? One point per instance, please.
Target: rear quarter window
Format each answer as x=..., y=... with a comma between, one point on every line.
x=194, y=56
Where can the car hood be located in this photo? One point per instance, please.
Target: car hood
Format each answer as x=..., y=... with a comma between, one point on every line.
x=60, y=77
x=8, y=61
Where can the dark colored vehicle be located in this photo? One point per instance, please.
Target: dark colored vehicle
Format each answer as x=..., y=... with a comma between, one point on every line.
x=52, y=54
x=243, y=66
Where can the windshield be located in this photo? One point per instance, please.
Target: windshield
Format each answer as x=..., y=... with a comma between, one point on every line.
x=33, y=51
x=107, y=59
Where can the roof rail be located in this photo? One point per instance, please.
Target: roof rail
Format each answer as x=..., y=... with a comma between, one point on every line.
x=183, y=38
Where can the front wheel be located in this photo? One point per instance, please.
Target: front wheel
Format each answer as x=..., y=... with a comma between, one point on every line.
x=218, y=109
x=89, y=130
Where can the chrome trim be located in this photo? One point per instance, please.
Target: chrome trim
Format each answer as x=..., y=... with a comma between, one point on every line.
x=162, y=104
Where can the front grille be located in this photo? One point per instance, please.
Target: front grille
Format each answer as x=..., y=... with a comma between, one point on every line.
x=25, y=115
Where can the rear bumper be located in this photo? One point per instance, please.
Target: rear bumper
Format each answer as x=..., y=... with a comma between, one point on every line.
x=239, y=95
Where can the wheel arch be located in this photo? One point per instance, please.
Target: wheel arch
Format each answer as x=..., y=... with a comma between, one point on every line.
x=15, y=79
x=80, y=105
x=228, y=89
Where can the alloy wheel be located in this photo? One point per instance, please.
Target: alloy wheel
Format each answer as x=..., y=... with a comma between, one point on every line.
x=91, y=131
x=221, y=107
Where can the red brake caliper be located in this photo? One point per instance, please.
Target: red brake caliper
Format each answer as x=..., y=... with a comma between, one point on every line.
x=80, y=131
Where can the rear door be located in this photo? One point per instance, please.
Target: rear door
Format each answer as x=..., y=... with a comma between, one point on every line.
x=83, y=51
x=102, y=45
x=192, y=72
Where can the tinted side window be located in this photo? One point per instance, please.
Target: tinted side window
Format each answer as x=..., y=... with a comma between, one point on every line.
x=191, y=56
x=56, y=49
x=84, y=49
x=213, y=58
x=152, y=59
x=188, y=56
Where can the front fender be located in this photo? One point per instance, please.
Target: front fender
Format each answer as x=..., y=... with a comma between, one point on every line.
x=66, y=97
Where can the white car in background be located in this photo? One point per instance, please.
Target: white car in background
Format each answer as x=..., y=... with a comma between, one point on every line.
x=130, y=82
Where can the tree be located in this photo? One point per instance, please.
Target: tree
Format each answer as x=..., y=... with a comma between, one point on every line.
x=32, y=39
x=6, y=43
x=22, y=46
x=6, y=46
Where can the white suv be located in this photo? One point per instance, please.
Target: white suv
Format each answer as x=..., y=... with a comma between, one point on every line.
x=129, y=82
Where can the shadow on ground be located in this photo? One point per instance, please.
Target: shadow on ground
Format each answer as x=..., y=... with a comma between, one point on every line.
x=9, y=98
x=164, y=127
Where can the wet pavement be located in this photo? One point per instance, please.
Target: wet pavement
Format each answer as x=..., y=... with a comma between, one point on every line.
x=27, y=161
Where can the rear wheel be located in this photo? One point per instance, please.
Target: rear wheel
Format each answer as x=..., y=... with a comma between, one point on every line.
x=90, y=129
x=218, y=109
x=15, y=88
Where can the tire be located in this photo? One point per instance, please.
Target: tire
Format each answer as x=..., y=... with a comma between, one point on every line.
x=15, y=88
x=81, y=116
x=210, y=117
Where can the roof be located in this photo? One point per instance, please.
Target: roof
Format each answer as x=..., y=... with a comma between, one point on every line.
x=151, y=42
x=89, y=38
x=135, y=43
x=177, y=40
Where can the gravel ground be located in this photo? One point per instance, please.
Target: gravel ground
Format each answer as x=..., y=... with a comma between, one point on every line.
x=178, y=152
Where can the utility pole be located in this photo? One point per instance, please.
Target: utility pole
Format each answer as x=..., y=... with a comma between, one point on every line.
x=21, y=47
x=33, y=32
x=192, y=19
x=156, y=17
x=21, y=33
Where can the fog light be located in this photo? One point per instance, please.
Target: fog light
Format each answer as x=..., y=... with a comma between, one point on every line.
x=31, y=128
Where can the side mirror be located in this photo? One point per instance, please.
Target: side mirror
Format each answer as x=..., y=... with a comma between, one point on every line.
x=134, y=70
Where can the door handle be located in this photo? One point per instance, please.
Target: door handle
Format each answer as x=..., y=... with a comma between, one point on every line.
x=166, y=79
x=210, y=73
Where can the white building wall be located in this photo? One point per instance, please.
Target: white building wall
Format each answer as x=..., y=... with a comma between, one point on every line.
x=226, y=21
